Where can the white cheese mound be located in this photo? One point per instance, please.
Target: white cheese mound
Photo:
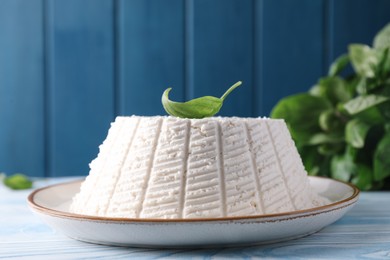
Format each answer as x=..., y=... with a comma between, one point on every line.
x=167, y=167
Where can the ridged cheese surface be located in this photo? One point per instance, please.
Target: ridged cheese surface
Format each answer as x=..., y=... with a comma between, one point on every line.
x=167, y=167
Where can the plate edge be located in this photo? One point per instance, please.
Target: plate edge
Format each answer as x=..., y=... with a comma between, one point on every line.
x=282, y=216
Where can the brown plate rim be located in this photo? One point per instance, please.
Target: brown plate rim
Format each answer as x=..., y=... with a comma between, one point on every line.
x=290, y=214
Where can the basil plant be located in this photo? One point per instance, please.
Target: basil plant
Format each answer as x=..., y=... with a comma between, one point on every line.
x=341, y=126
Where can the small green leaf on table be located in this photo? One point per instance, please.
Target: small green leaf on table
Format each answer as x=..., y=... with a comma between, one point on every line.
x=18, y=181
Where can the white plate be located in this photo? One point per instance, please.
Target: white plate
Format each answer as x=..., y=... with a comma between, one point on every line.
x=52, y=204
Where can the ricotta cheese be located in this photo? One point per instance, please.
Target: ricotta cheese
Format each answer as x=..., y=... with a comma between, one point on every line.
x=168, y=167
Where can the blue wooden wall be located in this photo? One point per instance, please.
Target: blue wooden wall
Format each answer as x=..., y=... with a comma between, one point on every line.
x=67, y=68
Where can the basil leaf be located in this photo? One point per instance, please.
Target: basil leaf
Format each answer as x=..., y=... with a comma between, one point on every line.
x=371, y=116
x=301, y=114
x=361, y=86
x=322, y=138
x=338, y=65
x=363, y=180
x=387, y=127
x=382, y=39
x=381, y=158
x=382, y=44
x=384, y=64
x=311, y=159
x=327, y=120
x=363, y=102
x=363, y=59
x=18, y=181
x=314, y=162
x=333, y=88
x=343, y=166
x=365, y=86
x=328, y=149
x=206, y=106
x=356, y=132
x=336, y=89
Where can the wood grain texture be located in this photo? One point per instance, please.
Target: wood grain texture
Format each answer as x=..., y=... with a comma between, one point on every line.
x=21, y=87
x=81, y=82
x=363, y=233
x=150, y=54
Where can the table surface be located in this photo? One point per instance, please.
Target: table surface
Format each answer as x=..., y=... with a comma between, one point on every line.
x=363, y=233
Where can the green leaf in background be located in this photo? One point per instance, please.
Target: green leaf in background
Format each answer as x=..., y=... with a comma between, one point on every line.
x=382, y=158
x=333, y=88
x=361, y=86
x=355, y=132
x=364, y=59
x=329, y=149
x=345, y=132
x=384, y=63
x=326, y=120
x=364, y=102
x=322, y=138
x=301, y=113
x=329, y=121
x=384, y=109
x=196, y=108
x=18, y=181
x=382, y=39
x=367, y=85
x=312, y=159
x=387, y=127
x=338, y=65
x=363, y=179
x=315, y=163
x=371, y=116
x=382, y=43
x=343, y=166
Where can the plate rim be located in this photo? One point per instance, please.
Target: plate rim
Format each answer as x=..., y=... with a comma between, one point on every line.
x=265, y=217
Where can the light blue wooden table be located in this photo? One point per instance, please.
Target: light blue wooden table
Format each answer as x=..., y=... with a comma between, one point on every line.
x=364, y=233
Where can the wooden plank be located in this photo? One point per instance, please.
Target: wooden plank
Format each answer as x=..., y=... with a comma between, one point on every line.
x=290, y=37
x=21, y=87
x=81, y=59
x=150, y=54
x=220, y=52
x=354, y=21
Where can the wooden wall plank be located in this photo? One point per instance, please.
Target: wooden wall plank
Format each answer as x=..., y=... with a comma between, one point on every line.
x=81, y=59
x=354, y=21
x=290, y=35
x=94, y=59
x=220, y=52
x=151, y=54
x=21, y=87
